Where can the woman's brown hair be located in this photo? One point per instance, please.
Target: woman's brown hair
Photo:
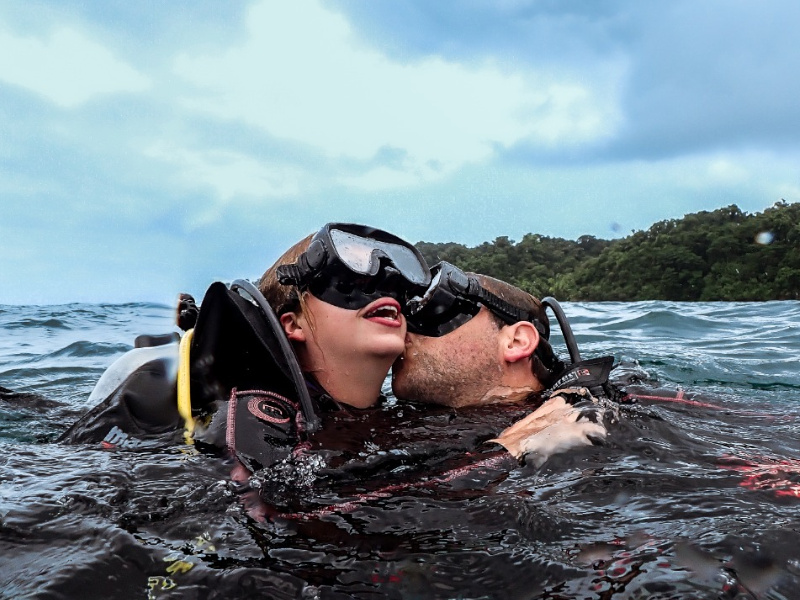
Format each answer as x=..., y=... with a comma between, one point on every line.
x=284, y=298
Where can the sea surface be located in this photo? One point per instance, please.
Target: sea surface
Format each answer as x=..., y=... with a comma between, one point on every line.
x=695, y=493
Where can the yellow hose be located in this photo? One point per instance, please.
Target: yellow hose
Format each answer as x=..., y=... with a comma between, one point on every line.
x=184, y=386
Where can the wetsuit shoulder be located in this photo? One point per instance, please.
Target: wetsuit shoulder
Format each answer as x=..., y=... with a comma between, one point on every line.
x=135, y=397
x=590, y=374
x=245, y=379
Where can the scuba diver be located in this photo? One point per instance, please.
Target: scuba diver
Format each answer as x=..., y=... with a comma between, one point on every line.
x=256, y=383
x=474, y=340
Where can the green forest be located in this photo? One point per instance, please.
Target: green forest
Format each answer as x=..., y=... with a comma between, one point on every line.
x=724, y=255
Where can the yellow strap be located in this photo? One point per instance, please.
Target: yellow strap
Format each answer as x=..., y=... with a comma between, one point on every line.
x=184, y=385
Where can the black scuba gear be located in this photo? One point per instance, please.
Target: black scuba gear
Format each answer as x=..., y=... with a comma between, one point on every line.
x=133, y=401
x=187, y=312
x=350, y=266
x=453, y=298
x=292, y=369
x=247, y=392
x=566, y=329
x=591, y=374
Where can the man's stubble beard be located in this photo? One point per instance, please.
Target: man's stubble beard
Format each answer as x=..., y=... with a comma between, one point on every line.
x=461, y=380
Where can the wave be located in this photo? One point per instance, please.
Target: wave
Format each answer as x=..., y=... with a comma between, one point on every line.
x=78, y=316
x=665, y=323
x=47, y=323
x=85, y=348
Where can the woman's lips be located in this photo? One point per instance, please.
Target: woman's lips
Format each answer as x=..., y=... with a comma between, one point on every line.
x=385, y=311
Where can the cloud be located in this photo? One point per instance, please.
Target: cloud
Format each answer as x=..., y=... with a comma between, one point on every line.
x=572, y=36
x=302, y=76
x=711, y=75
x=684, y=77
x=230, y=174
x=728, y=172
x=65, y=67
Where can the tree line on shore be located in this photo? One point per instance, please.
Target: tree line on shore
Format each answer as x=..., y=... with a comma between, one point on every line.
x=720, y=255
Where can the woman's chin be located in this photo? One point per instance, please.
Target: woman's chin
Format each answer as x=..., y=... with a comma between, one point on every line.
x=388, y=349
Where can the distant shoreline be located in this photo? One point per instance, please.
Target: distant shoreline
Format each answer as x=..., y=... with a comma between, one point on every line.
x=724, y=255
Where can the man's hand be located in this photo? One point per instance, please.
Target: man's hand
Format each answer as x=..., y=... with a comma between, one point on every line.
x=556, y=426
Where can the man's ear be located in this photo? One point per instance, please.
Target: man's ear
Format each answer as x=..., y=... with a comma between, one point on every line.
x=292, y=326
x=520, y=341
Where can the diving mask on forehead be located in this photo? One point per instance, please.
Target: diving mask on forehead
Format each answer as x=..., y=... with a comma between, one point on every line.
x=453, y=298
x=350, y=266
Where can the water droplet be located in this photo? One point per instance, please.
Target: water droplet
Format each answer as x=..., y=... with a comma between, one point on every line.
x=764, y=238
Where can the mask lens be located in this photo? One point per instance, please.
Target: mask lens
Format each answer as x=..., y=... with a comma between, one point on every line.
x=440, y=310
x=432, y=289
x=351, y=265
x=362, y=255
x=353, y=292
x=353, y=250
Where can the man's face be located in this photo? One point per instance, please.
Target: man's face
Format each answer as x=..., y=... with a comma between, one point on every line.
x=456, y=369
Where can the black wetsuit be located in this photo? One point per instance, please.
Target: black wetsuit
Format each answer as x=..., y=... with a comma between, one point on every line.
x=246, y=395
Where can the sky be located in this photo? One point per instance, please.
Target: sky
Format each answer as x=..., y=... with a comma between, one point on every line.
x=149, y=148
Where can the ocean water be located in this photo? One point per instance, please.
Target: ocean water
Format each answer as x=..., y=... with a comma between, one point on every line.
x=695, y=494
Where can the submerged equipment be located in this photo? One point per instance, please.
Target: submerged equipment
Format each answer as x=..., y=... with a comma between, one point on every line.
x=233, y=382
x=453, y=298
x=349, y=266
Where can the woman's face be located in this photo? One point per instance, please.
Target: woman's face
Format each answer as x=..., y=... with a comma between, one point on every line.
x=376, y=331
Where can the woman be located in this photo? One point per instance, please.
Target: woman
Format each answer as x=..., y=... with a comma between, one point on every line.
x=338, y=296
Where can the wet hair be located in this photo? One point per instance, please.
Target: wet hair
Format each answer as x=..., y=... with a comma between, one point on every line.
x=284, y=298
x=545, y=364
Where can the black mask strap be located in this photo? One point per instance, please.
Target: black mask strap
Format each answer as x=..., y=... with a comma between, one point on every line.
x=509, y=313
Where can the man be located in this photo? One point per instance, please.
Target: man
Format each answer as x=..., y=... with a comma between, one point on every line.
x=476, y=341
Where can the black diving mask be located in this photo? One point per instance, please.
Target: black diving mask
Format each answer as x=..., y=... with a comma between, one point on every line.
x=453, y=298
x=349, y=266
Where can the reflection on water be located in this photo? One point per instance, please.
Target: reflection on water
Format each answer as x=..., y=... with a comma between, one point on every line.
x=696, y=498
